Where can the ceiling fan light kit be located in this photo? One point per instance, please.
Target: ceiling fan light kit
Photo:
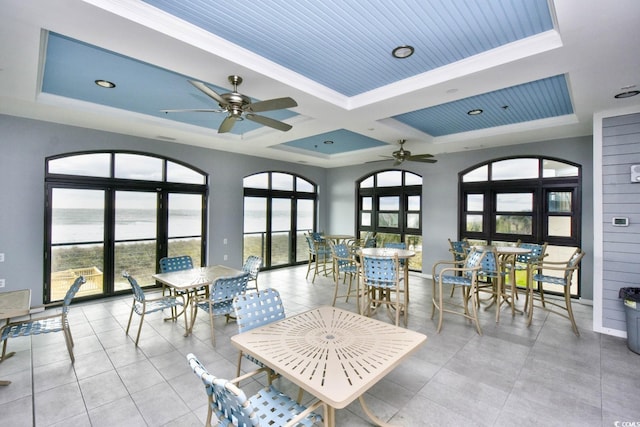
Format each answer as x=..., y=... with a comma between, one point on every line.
x=402, y=155
x=237, y=104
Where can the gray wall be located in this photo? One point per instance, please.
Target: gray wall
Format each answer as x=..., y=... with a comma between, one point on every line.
x=620, y=198
x=24, y=145
x=440, y=195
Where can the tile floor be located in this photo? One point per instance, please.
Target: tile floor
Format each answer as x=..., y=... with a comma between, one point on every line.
x=512, y=375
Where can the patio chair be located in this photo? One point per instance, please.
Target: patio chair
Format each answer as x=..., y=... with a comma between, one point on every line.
x=254, y=309
x=464, y=275
x=252, y=266
x=525, y=262
x=404, y=264
x=219, y=302
x=344, y=261
x=268, y=407
x=176, y=263
x=58, y=322
x=493, y=274
x=318, y=251
x=459, y=249
x=381, y=277
x=142, y=305
x=556, y=273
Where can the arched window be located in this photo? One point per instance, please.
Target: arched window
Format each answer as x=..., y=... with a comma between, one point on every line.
x=531, y=199
x=390, y=207
x=112, y=211
x=279, y=208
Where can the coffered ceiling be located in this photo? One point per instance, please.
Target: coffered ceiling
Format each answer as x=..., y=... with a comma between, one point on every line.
x=534, y=69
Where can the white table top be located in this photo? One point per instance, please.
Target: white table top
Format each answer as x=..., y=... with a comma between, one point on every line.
x=15, y=303
x=402, y=253
x=195, y=277
x=334, y=354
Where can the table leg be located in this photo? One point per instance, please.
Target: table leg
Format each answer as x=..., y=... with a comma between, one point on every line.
x=330, y=416
x=377, y=421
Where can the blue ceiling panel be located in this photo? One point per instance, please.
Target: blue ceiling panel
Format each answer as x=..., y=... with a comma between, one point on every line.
x=335, y=142
x=72, y=67
x=346, y=45
x=536, y=100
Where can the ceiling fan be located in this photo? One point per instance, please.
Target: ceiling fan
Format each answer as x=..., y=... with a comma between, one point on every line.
x=402, y=155
x=239, y=106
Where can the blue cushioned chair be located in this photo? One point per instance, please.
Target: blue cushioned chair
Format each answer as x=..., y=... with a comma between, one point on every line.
x=560, y=274
x=268, y=407
x=381, y=278
x=58, y=322
x=252, y=266
x=219, y=302
x=492, y=273
x=318, y=251
x=176, y=263
x=254, y=309
x=459, y=249
x=344, y=261
x=142, y=305
x=464, y=275
x=525, y=262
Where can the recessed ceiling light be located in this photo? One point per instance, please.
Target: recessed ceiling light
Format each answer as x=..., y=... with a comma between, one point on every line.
x=328, y=142
x=474, y=112
x=402, y=52
x=627, y=94
x=106, y=84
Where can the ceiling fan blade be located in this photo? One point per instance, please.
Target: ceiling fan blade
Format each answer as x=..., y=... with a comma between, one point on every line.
x=421, y=156
x=209, y=92
x=193, y=110
x=271, y=104
x=422, y=159
x=269, y=122
x=227, y=124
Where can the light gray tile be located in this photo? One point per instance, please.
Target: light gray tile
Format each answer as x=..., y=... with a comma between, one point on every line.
x=119, y=413
x=102, y=389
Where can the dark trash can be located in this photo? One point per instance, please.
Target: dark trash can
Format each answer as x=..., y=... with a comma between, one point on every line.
x=631, y=298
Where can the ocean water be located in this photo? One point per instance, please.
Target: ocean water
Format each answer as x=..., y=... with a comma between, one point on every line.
x=87, y=225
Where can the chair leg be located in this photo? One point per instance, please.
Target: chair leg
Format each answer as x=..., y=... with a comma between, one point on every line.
x=69, y=341
x=567, y=298
x=4, y=348
x=213, y=338
x=139, y=328
x=474, y=306
x=130, y=317
x=311, y=257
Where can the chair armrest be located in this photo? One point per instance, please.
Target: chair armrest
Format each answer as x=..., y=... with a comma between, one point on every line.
x=160, y=298
x=318, y=403
x=435, y=273
x=250, y=374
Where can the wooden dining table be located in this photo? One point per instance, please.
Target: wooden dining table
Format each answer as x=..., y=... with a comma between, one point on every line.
x=13, y=304
x=333, y=354
x=191, y=279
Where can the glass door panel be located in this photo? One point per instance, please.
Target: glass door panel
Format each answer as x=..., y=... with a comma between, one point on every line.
x=255, y=227
x=77, y=241
x=280, y=231
x=304, y=224
x=185, y=226
x=135, y=237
